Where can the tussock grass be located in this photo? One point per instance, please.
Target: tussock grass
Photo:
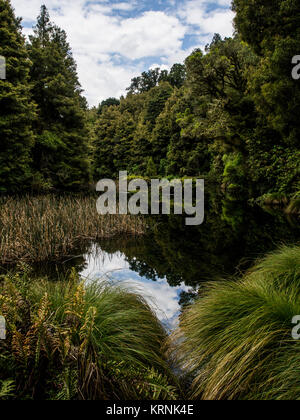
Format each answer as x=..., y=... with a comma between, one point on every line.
x=67, y=340
x=35, y=229
x=236, y=341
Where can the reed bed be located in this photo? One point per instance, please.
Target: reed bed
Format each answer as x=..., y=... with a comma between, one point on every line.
x=69, y=340
x=236, y=341
x=36, y=229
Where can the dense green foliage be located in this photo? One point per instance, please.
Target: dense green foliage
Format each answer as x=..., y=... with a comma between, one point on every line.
x=70, y=341
x=230, y=113
x=213, y=125
x=152, y=78
x=44, y=135
x=107, y=103
x=236, y=340
x=17, y=108
x=60, y=151
x=233, y=118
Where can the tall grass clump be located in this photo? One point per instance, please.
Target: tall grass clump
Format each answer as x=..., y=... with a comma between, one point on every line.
x=36, y=229
x=236, y=341
x=67, y=340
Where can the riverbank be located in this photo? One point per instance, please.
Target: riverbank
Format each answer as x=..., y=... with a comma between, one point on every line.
x=236, y=341
x=70, y=341
x=50, y=228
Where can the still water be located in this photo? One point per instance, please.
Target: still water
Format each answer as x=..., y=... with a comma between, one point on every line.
x=171, y=264
x=115, y=267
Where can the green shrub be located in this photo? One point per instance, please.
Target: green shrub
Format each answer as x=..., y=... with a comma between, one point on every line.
x=67, y=340
x=236, y=341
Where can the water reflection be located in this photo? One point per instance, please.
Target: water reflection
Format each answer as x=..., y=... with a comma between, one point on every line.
x=173, y=261
x=115, y=267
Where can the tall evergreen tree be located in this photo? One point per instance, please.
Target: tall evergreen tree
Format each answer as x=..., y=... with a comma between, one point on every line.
x=108, y=102
x=61, y=151
x=272, y=31
x=17, y=108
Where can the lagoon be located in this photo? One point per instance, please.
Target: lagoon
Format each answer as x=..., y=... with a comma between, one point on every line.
x=171, y=264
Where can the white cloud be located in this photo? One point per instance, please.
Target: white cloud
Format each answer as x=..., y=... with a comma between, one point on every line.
x=159, y=294
x=98, y=32
x=218, y=20
x=124, y=6
x=161, y=66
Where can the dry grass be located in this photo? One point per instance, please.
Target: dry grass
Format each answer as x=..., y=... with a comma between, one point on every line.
x=35, y=229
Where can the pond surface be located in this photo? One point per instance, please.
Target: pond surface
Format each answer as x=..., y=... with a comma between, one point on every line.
x=172, y=262
x=115, y=267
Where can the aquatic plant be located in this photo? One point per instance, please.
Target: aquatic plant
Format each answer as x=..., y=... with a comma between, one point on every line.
x=67, y=340
x=35, y=229
x=236, y=341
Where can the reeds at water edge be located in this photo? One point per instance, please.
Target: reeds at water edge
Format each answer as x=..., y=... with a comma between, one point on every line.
x=35, y=229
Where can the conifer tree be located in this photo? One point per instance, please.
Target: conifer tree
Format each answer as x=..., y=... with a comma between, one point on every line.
x=61, y=152
x=17, y=108
x=151, y=168
x=272, y=30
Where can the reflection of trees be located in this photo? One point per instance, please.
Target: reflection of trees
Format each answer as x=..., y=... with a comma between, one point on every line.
x=198, y=254
x=60, y=270
x=193, y=255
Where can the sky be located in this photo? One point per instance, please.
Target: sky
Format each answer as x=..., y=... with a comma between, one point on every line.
x=114, y=268
x=115, y=40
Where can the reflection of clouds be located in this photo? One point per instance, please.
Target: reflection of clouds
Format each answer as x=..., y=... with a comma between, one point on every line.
x=99, y=263
x=159, y=294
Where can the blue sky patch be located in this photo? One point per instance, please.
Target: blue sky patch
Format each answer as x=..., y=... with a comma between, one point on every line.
x=114, y=41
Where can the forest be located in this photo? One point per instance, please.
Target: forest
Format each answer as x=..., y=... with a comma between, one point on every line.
x=78, y=315
x=228, y=114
